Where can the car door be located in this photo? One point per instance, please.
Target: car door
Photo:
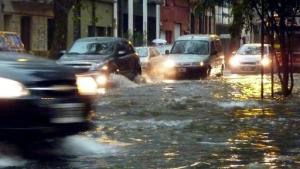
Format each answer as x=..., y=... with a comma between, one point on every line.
x=125, y=58
x=217, y=57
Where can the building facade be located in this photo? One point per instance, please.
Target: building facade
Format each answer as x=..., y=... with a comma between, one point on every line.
x=30, y=19
x=175, y=19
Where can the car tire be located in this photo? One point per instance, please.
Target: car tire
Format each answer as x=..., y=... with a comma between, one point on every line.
x=221, y=73
x=136, y=71
x=205, y=72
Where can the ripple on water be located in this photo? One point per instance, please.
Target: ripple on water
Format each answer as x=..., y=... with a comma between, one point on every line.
x=155, y=124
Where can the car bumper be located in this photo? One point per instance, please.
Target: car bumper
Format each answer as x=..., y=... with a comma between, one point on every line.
x=249, y=69
x=185, y=71
x=44, y=117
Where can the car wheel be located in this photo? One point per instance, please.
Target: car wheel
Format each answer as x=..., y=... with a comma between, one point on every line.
x=221, y=73
x=136, y=71
x=206, y=72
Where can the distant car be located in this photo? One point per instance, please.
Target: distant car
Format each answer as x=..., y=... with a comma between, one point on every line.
x=103, y=54
x=10, y=41
x=147, y=56
x=247, y=59
x=195, y=56
x=163, y=48
x=39, y=98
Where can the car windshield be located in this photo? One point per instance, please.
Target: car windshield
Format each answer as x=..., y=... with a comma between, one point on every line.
x=251, y=50
x=92, y=48
x=190, y=47
x=143, y=52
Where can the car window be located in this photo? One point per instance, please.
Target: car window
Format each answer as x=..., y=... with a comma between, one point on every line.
x=142, y=52
x=155, y=52
x=93, y=48
x=11, y=42
x=190, y=47
x=251, y=50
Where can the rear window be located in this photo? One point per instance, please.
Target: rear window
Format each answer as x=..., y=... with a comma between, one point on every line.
x=10, y=42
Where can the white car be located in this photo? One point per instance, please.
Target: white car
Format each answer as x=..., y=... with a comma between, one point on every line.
x=147, y=56
x=248, y=59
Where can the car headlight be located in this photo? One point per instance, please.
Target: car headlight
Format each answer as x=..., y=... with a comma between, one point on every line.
x=265, y=61
x=234, y=61
x=169, y=64
x=86, y=85
x=201, y=63
x=12, y=89
x=105, y=67
x=101, y=79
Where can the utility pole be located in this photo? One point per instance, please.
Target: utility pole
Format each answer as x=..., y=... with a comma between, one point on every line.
x=130, y=20
x=145, y=22
x=157, y=20
x=1, y=15
x=115, y=21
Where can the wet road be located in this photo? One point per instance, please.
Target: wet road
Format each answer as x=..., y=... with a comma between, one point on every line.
x=215, y=123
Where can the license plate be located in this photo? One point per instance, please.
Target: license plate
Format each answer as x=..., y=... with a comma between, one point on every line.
x=67, y=113
x=248, y=68
x=182, y=69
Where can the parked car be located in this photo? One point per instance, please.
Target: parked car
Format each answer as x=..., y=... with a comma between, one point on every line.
x=39, y=98
x=10, y=41
x=163, y=48
x=147, y=56
x=103, y=54
x=195, y=56
x=247, y=59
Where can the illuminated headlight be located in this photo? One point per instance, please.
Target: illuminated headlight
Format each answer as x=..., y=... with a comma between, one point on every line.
x=169, y=64
x=105, y=67
x=12, y=89
x=86, y=85
x=101, y=79
x=234, y=61
x=201, y=63
x=265, y=61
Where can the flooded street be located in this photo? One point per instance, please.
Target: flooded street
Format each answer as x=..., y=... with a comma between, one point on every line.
x=215, y=123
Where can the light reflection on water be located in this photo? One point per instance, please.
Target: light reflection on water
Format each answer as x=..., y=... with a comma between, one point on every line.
x=250, y=86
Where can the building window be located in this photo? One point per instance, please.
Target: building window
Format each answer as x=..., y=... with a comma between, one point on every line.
x=26, y=31
x=99, y=31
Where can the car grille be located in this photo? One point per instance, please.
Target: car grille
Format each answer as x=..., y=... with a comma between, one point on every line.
x=248, y=63
x=80, y=68
x=56, y=88
x=188, y=64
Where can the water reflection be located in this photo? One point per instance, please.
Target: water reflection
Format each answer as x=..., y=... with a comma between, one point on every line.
x=249, y=86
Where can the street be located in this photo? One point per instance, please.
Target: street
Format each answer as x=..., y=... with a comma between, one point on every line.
x=213, y=123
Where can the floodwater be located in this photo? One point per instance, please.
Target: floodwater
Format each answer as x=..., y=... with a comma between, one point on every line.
x=215, y=123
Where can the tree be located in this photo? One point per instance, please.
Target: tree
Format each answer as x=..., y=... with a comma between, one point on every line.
x=277, y=19
x=61, y=10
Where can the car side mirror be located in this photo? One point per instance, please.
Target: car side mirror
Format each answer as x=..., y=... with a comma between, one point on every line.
x=167, y=52
x=121, y=52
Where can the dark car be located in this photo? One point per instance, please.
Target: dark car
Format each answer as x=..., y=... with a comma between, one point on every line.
x=39, y=98
x=103, y=54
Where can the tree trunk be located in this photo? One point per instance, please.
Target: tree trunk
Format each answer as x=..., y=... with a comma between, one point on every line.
x=61, y=9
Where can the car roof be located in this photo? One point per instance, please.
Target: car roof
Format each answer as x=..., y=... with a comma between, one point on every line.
x=99, y=38
x=5, y=32
x=207, y=37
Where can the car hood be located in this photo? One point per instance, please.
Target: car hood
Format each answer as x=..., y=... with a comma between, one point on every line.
x=30, y=69
x=66, y=59
x=187, y=58
x=248, y=58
